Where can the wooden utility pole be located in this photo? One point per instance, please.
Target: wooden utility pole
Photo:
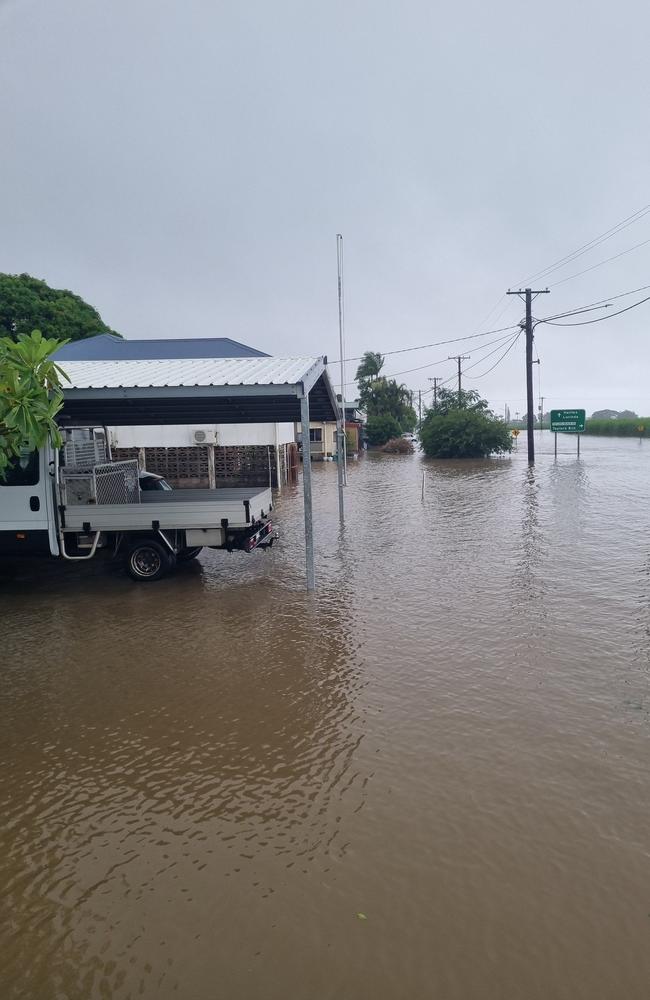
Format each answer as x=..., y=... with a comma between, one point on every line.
x=420, y=406
x=530, y=404
x=459, y=358
x=435, y=381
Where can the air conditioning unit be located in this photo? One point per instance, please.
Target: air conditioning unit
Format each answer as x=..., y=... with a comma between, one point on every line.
x=203, y=437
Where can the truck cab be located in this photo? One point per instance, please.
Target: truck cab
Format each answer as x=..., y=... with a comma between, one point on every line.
x=27, y=517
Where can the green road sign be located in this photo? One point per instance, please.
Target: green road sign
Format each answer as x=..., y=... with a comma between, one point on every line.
x=568, y=421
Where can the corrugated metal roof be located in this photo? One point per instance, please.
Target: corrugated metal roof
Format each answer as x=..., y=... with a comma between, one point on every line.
x=108, y=347
x=186, y=372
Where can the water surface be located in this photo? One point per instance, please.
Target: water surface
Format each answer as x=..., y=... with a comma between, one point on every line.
x=429, y=779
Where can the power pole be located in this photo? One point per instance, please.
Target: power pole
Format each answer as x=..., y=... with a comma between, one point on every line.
x=541, y=413
x=435, y=381
x=420, y=405
x=528, y=293
x=459, y=358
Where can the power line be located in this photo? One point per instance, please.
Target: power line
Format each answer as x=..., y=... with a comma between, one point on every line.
x=547, y=321
x=599, y=319
x=621, y=295
x=600, y=263
x=431, y=364
x=589, y=305
x=479, y=361
x=591, y=245
x=499, y=360
x=437, y=343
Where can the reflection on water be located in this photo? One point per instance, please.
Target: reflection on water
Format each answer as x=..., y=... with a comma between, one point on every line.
x=205, y=781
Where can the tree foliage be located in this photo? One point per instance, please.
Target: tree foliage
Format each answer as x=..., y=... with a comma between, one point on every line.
x=381, y=427
x=30, y=395
x=370, y=366
x=384, y=397
x=451, y=399
x=619, y=427
x=28, y=304
x=462, y=426
x=604, y=414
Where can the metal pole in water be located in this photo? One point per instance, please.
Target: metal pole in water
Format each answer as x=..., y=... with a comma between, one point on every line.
x=423, y=485
x=339, y=472
x=339, y=263
x=556, y=444
x=306, y=486
x=578, y=436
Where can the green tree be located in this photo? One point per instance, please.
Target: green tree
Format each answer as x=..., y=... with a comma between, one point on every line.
x=30, y=395
x=462, y=426
x=464, y=434
x=451, y=399
x=384, y=397
x=370, y=366
x=28, y=304
x=381, y=427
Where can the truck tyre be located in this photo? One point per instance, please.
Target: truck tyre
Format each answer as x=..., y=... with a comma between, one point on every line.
x=186, y=554
x=148, y=560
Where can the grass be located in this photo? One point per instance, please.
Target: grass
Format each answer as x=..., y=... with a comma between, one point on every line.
x=626, y=427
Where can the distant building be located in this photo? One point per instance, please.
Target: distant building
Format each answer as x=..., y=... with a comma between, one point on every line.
x=322, y=434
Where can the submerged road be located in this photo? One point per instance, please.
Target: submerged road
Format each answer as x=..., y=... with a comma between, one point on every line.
x=428, y=779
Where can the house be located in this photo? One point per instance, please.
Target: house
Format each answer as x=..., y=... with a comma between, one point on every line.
x=322, y=434
x=203, y=454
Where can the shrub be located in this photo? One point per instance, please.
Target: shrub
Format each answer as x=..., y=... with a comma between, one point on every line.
x=464, y=434
x=398, y=446
x=619, y=427
x=381, y=428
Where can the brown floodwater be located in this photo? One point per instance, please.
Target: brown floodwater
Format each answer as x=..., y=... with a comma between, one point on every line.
x=430, y=779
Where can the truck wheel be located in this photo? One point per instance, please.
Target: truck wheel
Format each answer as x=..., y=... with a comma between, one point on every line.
x=186, y=554
x=148, y=560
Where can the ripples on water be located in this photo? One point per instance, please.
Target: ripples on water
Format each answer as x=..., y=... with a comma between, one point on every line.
x=206, y=781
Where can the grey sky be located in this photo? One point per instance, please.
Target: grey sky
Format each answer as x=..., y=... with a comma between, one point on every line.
x=185, y=166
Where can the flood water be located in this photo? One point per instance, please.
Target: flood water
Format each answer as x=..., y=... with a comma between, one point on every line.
x=427, y=780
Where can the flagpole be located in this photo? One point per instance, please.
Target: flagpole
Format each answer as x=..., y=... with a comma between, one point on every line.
x=339, y=262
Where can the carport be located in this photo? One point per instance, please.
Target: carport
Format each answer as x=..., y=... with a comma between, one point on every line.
x=210, y=390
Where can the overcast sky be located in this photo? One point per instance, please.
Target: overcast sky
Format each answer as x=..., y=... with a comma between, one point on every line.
x=185, y=166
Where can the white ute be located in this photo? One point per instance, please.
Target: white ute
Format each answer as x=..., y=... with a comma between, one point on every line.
x=75, y=502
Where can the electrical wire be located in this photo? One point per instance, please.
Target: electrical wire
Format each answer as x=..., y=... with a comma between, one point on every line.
x=599, y=319
x=591, y=245
x=600, y=263
x=437, y=343
x=440, y=361
x=589, y=305
x=612, y=298
x=479, y=361
x=499, y=360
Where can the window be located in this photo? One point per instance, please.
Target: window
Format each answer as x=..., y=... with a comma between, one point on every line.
x=315, y=434
x=22, y=471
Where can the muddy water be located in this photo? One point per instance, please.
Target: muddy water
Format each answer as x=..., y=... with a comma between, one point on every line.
x=430, y=779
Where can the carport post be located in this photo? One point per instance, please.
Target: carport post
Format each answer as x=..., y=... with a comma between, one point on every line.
x=306, y=486
x=339, y=461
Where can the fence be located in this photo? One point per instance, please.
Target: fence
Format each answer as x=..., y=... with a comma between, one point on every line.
x=189, y=467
